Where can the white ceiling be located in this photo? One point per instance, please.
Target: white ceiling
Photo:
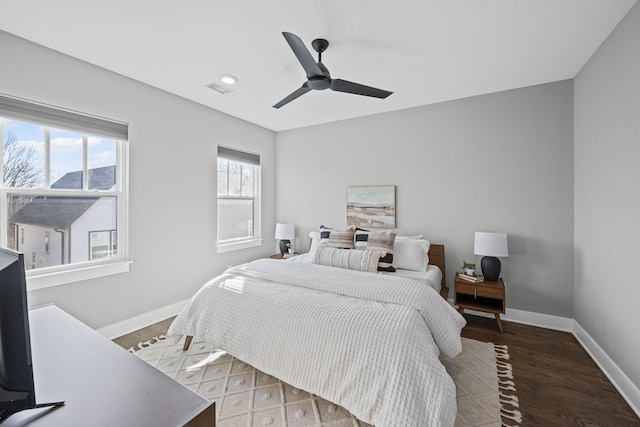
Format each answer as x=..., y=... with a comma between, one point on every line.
x=425, y=51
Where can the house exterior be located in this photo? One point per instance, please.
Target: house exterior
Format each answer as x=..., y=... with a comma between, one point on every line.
x=53, y=231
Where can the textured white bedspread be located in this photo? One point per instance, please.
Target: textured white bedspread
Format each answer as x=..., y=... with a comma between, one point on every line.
x=365, y=341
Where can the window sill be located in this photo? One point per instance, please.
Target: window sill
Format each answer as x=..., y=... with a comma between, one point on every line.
x=234, y=246
x=57, y=278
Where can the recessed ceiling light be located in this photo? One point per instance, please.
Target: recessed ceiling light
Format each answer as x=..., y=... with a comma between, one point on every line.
x=228, y=79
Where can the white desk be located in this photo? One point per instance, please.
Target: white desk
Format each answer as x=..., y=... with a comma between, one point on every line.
x=101, y=383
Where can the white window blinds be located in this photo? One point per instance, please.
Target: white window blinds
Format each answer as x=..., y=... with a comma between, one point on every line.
x=19, y=109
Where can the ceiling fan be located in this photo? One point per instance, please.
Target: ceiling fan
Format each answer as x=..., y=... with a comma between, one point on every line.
x=318, y=77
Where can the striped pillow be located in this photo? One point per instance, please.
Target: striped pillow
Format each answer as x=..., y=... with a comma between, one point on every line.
x=342, y=239
x=378, y=241
x=347, y=258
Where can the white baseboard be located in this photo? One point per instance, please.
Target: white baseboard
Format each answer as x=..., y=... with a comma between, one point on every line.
x=530, y=318
x=143, y=320
x=547, y=321
x=629, y=391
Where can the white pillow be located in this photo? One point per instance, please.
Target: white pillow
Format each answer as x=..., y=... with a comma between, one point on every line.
x=417, y=237
x=360, y=260
x=411, y=254
x=315, y=241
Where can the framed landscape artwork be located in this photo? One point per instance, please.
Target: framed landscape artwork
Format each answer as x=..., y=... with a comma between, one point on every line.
x=372, y=206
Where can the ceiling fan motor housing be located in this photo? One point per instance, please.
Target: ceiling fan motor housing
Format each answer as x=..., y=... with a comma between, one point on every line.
x=319, y=83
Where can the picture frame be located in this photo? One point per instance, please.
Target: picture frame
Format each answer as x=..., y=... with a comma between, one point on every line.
x=371, y=206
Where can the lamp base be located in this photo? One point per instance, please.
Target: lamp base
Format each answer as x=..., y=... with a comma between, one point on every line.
x=283, y=246
x=490, y=268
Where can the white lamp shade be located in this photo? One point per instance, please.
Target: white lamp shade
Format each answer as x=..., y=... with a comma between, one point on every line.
x=491, y=244
x=285, y=231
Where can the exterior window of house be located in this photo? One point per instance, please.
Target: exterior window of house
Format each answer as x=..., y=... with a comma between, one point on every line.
x=64, y=176
x=101, y=244
x=114, y=241
x=238, y=199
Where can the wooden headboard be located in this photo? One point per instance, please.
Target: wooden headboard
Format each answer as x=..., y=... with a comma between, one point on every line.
x=436, y=257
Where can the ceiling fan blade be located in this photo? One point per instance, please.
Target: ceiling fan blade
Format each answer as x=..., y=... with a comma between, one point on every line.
x=302, y=53
x=301, y=91
x=340, y=85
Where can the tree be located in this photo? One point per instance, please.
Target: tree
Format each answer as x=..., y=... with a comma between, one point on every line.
x=20, y=168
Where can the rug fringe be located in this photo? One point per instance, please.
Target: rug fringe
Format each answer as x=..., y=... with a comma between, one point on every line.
x=505, y=384
x=502, y=351
x=514, y=415
x=509, y=399
x=145, y=344
x=504, y=370
x=503, y=365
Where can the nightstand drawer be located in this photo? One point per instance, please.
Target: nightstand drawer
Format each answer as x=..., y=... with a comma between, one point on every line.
x=479, y=289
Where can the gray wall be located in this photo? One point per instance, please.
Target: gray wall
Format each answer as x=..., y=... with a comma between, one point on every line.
x=172, y=181
x=607, y=202
x=498, y=162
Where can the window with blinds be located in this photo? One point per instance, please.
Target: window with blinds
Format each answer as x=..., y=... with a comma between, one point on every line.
x=238, y=199
x=63, y=188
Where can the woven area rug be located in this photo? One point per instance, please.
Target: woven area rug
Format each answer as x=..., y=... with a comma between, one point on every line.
x=247, y=397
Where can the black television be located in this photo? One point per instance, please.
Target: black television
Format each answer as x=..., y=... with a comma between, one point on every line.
x=17, y=391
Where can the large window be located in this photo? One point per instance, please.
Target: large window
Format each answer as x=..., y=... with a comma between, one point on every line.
x=238, y=199
x=62, y=194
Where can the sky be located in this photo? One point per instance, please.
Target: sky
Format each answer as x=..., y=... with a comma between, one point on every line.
x=66, y=147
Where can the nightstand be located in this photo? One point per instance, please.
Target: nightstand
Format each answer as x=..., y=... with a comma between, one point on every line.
x=488, y=297
x=280, y=256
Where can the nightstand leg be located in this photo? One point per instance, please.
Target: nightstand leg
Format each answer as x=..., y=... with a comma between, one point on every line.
x=499, y=322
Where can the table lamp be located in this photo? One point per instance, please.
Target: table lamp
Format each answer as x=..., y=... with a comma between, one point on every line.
x=284, y=232
x=490, y=246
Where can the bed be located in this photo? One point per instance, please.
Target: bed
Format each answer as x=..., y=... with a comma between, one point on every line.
x=368, y=342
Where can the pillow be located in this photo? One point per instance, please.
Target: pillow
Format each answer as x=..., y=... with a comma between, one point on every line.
x=378, y=241
x=342, y=239
x=360, y=239
x=324, y=235
x=315, y=241
x=416, y=237
x=346, y=258
x=411, y=254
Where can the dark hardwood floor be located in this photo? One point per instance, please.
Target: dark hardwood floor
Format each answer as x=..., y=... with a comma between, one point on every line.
x=557, y=382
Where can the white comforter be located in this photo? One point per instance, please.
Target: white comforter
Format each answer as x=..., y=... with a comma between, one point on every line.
x=365, y=341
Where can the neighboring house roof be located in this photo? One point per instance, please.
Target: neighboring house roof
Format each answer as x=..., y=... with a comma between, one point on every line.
x=54, y=212
x=103, y=178
x=61, y=212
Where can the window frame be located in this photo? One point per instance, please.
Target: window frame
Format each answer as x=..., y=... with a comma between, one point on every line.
x=245, y=158
x=46, y=277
